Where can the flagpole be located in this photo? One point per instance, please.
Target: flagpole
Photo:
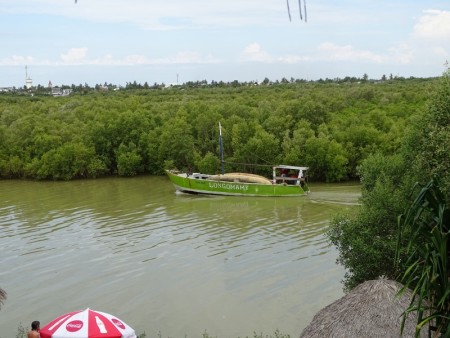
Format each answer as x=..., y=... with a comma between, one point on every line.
x=221, y=149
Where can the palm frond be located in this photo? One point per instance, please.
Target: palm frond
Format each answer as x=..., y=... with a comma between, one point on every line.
x=426, y=225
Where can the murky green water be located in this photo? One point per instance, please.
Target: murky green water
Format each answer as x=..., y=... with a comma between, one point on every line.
x=166, y=263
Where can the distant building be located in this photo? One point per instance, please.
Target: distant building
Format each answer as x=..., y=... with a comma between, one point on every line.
x=57, y=91
x=28, y=81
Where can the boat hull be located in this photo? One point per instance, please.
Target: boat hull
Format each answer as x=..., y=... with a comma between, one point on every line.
x=214, y=187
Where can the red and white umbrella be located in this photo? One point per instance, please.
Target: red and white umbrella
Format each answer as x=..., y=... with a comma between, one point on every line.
x=87, y=324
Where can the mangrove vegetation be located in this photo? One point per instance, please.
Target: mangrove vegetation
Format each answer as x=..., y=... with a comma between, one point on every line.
x=330, y=126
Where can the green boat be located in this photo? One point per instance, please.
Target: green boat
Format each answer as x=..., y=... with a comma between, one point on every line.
x=286, y=181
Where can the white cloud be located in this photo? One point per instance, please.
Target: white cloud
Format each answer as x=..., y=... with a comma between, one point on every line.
x=75, y=56
x=79, y=56
x=183, y=57
x=254, y=52
x=17, y=60
x=157, y=15
x=186, y=57
x=428, y=43
x=293, y=59
x=402, y=53
x=333, y=52
x=133, y=60
x=434, y=24
x=441, y=51
x=202, y=32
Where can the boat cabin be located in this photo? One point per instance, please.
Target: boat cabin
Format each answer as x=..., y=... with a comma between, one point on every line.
x=289, y=175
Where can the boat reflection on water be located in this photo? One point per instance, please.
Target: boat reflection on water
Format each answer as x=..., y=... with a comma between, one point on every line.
x=286, y=214
x=241, y=208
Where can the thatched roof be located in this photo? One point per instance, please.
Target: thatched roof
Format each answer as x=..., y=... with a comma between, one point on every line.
x=372, y=309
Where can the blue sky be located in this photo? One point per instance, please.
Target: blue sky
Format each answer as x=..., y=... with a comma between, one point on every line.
x=118, y=41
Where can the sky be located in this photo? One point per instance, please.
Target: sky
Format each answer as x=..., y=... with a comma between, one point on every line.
x=176, y=41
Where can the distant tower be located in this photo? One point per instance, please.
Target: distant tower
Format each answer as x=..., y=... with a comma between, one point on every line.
x=28, y=81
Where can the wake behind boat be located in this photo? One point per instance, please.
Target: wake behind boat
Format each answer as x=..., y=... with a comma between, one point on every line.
x=286, y=181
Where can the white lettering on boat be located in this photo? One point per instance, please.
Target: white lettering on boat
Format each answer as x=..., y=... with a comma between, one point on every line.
x=228, y=186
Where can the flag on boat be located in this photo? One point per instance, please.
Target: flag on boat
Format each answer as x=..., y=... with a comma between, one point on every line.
x=87, y=324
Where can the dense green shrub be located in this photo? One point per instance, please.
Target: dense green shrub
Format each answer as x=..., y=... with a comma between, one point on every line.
x=367, y=239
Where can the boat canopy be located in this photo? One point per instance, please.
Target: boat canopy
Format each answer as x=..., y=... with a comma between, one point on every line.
x=291, y=167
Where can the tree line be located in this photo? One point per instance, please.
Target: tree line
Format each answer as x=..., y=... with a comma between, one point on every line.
x=85, y=88
x=330, y=127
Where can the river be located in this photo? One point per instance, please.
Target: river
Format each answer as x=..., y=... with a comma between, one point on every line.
x=168, y=264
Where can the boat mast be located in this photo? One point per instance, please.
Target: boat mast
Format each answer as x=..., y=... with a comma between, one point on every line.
x=221, y=149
